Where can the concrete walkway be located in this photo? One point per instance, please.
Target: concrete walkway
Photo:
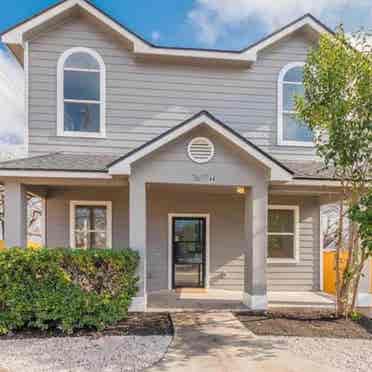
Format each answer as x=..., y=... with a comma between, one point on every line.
x=218, y=342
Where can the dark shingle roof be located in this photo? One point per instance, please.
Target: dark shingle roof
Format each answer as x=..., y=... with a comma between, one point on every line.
x=308, y=169
x=61, y=162
x=100, y=163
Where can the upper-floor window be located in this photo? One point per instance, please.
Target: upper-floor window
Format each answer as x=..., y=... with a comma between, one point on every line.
x=81, y=93
x=291, y=131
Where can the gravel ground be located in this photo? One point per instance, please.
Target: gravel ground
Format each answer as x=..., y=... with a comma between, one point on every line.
x=83, y=354
x=345, y=355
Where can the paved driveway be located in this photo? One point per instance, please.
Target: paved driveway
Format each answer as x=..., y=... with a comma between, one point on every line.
x=218, y=342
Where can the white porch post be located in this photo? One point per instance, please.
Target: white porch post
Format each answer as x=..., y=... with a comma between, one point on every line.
x=137, y=236
x=15, y=225
x=256, y=206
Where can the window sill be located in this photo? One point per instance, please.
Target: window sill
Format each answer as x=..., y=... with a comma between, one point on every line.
x=82, y=134
x=292, y=261
x=296, y=144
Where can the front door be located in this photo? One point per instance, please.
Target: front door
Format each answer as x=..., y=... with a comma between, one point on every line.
x=188, y=243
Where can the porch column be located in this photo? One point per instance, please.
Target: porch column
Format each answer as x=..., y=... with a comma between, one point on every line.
x=15, y=221
x=256, y=205
x=364, y=298
x=137, y=236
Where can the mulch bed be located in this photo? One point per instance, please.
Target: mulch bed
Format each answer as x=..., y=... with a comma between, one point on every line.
x=139, y=324
x=306, y=323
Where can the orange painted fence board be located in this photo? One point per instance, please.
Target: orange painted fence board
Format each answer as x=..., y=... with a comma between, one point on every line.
x=329, y=269
x=30, y=245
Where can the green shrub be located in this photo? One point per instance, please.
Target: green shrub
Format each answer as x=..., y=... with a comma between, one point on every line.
x=65, y=289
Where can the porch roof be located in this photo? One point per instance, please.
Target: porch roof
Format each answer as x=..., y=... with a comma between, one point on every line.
x=121, y=165
x=100, y=163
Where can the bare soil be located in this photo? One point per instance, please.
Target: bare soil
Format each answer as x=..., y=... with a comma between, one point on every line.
x=138, y=324
x=306, y=323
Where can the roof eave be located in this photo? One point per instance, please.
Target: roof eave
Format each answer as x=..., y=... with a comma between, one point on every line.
x=142, y=47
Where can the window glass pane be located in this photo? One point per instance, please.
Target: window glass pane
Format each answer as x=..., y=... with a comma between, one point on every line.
x=82, y=117
x=289, y=93
x=81, y=60
x=294, y=130
x=98, y=240
x=295, y=74
x=82, y=218
x=281, y=246
x=281, y=221
x=82, y=239
x=188, y=230
x=99, y=218
x=82, y=85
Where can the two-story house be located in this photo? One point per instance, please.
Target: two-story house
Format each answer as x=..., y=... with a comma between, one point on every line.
x=192, y=157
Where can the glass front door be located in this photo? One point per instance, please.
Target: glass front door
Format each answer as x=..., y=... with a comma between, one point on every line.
x=188, y=242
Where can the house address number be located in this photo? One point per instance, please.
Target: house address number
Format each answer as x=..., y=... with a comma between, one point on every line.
x=204, y=178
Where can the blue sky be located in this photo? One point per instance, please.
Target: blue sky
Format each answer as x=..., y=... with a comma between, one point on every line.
x=230, y=24
x=221, y=24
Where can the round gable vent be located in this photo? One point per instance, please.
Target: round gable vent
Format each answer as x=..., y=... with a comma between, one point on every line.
x=200, y=150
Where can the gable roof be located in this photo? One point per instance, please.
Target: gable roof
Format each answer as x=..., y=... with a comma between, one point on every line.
x=17, y=34
x=279, y=172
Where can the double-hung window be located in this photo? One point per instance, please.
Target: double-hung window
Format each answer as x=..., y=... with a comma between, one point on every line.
x=283, y=231
x=291, y=131
x=90, y=224
x=81, y=94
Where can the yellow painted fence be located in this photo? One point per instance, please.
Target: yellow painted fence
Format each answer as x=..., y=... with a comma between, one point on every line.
x=329, y=270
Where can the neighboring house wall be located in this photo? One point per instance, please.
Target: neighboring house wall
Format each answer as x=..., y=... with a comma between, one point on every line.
x=58, y=213
x=304, y=275
x=145, y=98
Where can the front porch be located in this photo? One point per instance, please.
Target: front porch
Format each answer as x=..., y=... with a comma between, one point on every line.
x=223, y=300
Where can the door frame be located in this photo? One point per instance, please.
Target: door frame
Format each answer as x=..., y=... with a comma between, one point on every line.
x=170, y=247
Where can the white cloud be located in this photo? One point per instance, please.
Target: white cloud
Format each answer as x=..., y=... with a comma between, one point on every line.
x=11, y=100
x=155, y=36
x=211, y=18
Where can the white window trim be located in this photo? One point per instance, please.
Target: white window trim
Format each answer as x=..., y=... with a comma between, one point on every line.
x=60, y=94
x=296, y=234
x=281, y=111
x=207, y=244
x=107, y=204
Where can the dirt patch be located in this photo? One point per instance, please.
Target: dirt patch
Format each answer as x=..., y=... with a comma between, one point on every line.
x=306, y=323
x=138, y=324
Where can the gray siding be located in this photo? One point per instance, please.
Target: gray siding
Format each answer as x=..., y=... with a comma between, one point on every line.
x=303, y=276
x=58, y=213
x=227, y=249
x=146, y=98
x=227, y=240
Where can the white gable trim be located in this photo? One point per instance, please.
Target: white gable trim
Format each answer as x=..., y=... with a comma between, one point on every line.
x=123, y=167
x=15, y=36
x=285, y=31
x=142, y=47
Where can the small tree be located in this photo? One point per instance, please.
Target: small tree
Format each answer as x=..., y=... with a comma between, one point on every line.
x=337, y=105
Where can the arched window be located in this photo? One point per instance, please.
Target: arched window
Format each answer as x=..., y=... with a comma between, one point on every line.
x=81, y=93
x=291, y=131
